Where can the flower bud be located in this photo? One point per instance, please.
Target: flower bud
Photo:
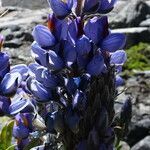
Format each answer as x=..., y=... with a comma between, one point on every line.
x=10, y=83
x=61, y=8
x=43, y=36
x=113, y=42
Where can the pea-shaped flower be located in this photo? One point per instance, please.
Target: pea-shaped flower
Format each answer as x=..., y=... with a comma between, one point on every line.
x=61, y=8
x=4, y=105
x=43, y=36
x=42, y=93
x=96, y=28
x=4, y=64
x=10, y=83
x=91, y=6
x=106, y=6
x=113, y=42
x=96, y=65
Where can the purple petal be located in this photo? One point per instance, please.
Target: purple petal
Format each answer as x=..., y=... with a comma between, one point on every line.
x=118, y=58
x=96, y=65
x=61, y=8
x=20, y=131
x=69, y=31
x=113, y=42
x=39, y=91
x=10, y=83
x=106, y=6
x=4, y=105
x=79, y=101
x=39, y=54
x=43, y=36
x=22, y=69
x=96, y=29
x=119, y=81
x=54, y=62
x=69, y=54
x=21, y=105
x=4, y=64
x=91, y=6
x=83, y=45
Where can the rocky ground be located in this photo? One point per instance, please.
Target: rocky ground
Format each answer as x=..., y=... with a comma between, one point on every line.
x=131, y=17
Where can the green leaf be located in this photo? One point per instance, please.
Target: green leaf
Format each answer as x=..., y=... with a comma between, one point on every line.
x=6, y=136
x=12, y=147
x=33, y=143
x=9, y=133
x=3, y=137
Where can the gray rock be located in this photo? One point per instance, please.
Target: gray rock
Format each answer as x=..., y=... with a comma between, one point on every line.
x=131, y=15
x=144, y=144
x=145, y=23
x=31, y=4
x=138, y=130
x=15, y=43
x=135, y=35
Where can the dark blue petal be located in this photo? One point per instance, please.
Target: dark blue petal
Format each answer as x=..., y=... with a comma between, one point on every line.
x=69, y=31
x=39, y=54
x=20, y=131
x=22, y=143
x=84, y=82
x=61, y=8
x=119, y=81
x=55, y=25
x=21, y=105
x=118, y=58
x=71, y=86
x=69, y=54
x=4, y=105
x=10, y=83
x=106, y=6
x=72, y=120
x=96, y=65
x=83, y=45
x=96, y=29
x=54, y=62
x=4, y=64
x=91, y=6
x=79, y=101
x=22, y=69
x=45, y=77
x=113, y=42
x=39, y=91
x=43, y=36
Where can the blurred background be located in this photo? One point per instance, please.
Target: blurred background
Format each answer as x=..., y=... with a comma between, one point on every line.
x=132, y=17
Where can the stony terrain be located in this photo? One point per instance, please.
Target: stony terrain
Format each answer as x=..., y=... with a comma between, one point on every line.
x=131, y=17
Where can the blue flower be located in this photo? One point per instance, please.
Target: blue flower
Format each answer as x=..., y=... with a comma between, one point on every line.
x=113, y=42
x=106, y=6
x=96, y=65
x=4, y=105
x=83, y=45
x=21, y=106
x=22, y=69
x=70, y=54
x=118, y=58
x=20, y=131
x=43, y=36
x=91, y=6
x=96, y=29
x=38, y=90
x=61, y=8
x=69, y=31
x=4, y=64
x=10, y=83
x=119, y=81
